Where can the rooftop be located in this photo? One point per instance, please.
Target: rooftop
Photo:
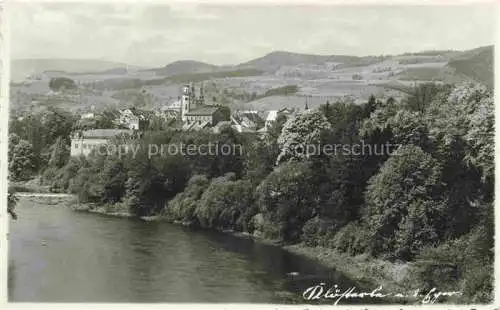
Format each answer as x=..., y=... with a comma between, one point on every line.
x=202, y=111
x=173, y=105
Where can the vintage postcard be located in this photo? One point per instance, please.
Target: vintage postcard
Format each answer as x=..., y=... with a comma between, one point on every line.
x=243, y=154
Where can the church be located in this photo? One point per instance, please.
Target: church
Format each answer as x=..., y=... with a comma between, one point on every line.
x=195, y=114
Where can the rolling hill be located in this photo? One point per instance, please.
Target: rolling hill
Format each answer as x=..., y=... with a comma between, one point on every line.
x=318, y=76
x=22, y=68
x=476, y=64
x=185, y=67
x=273, y=61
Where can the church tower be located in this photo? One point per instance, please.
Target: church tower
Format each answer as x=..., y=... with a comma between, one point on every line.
x=202, y=96
x=193, y=95
x=185, y=102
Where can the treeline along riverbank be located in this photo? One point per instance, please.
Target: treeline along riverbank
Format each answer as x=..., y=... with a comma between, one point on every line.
x=427, y=203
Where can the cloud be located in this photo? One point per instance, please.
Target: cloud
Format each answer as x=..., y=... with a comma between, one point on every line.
x=151, y=34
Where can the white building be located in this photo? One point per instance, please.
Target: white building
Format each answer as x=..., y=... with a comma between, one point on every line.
x=87, y=116
x=82, y=143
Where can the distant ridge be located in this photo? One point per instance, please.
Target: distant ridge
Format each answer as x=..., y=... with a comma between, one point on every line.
x=274, y=60
x=185, y=67
x=22, y=68
x=475, y=64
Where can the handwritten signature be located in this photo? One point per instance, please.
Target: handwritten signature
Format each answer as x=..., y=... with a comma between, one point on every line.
x=335, y=292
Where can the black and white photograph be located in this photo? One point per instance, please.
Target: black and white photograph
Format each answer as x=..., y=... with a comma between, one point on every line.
x=249, y=153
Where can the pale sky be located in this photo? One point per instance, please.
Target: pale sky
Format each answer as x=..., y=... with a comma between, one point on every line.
x=155, y=35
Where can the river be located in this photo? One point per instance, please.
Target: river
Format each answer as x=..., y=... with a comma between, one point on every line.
x=59, y=255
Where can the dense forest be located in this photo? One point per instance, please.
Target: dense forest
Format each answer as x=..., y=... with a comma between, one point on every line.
x=430, y=201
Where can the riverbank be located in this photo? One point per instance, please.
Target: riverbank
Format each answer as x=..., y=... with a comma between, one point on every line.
x=31, y=186
x=392, y=276
x=121, y=210
x=51, y=199
x=110, y=210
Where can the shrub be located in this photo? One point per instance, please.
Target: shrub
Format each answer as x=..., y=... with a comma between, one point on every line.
x=317, y=231
x=464, y=264
x=477, y=286
x=48, y=176
x=223, y=203
x=183, y=205
x=353, y=238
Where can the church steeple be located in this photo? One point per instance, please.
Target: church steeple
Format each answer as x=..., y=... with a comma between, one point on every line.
x=185, y=102
x=202, y=96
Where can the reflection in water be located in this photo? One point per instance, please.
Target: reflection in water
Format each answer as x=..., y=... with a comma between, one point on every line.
x=92, y=258
x=11, y=282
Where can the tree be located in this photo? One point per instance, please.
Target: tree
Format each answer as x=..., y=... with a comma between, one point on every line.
x=260, y=159
x=57, y=123
x=59, y=153
x=61, y=83
x=470, y=116
x=152, y=181
x=114, y=178
x=143, y=186
x=409, y=128
x=182, y=207
x=31, y=128
x=288, y=198
x=276, y=127
x=422, y=96
x=449, y=120
x=301, y=133
x=403, y=203
x=344, y=117
x=224, y=202
x=13, y=141
x=371, y=105
x=480, y=138
x=261, y=154
x=22, y=163
x=106, y=119
x=66, y=177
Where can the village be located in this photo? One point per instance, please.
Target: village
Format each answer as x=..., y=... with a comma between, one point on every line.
x=189, y=112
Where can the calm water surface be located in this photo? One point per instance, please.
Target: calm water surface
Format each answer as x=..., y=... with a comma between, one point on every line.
x=57, y=254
